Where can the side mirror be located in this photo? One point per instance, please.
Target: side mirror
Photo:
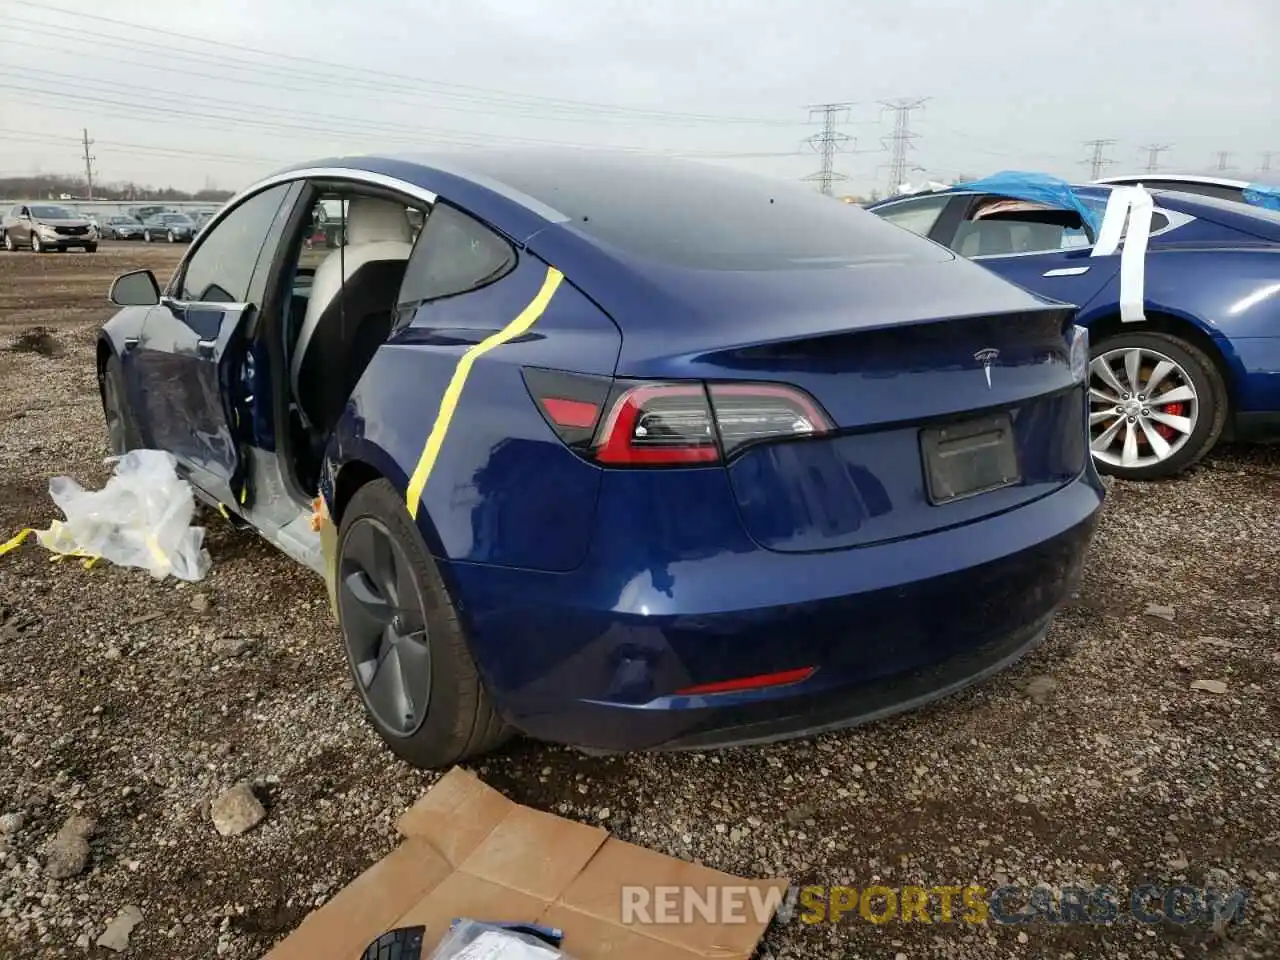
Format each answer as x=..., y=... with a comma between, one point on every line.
x=137, y=289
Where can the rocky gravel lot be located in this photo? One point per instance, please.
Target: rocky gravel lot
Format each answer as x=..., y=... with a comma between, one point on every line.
x=128, y=706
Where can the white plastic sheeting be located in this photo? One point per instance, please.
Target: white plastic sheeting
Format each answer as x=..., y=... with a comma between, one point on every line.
x=141, y=518
x=472, y=940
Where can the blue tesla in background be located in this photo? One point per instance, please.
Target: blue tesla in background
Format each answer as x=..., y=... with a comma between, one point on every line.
x=618, y=451
x=1204, y=364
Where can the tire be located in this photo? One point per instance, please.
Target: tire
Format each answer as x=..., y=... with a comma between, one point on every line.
x=90, y=248
x=37, y=246
x=458, y=719
x=122, y=429
x=1192, y=374
x=9, y=244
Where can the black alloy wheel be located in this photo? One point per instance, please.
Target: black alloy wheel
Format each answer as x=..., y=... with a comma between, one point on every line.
x=385, y=627
x=408, y=653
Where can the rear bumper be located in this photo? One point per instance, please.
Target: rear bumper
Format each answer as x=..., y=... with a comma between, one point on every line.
x=804, y=716
x=595, y=662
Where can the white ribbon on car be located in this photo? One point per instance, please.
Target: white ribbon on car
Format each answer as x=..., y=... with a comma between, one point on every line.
x=1131, y=205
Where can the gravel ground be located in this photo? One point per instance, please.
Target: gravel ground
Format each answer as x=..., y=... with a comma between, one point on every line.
x=133, y=703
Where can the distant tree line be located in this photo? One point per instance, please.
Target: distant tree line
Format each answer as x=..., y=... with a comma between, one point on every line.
x=53, y=186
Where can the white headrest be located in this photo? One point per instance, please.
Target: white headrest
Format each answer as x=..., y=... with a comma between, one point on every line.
x=370, y=220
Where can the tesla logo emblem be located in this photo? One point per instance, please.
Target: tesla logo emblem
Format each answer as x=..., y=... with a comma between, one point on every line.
x=987, y=357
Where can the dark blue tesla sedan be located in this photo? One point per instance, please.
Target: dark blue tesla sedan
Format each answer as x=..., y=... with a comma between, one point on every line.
x=619, y=451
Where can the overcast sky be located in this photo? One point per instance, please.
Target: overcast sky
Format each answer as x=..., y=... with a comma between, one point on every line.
x=1011, y=83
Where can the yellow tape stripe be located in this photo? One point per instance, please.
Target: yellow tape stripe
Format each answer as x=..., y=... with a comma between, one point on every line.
x=15, y=542
x=521, y=324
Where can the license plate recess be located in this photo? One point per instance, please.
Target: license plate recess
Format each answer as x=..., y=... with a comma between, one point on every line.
x=969, y=457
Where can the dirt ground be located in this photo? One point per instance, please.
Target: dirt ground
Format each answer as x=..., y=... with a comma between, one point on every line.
x=1091, y=762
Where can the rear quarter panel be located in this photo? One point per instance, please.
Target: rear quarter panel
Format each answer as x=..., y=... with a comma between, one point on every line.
x=504, y=490
x=1232, y=294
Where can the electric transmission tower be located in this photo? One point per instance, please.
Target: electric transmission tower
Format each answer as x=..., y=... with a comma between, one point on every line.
x=828, y=142
x=901, y=137
x=1224, y=160
x=1266, y=161
x=1099, y=160
x=88, y=163
x=1153, y=155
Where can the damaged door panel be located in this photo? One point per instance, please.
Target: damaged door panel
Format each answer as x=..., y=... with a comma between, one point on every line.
x=191, y=357
x=186, y=359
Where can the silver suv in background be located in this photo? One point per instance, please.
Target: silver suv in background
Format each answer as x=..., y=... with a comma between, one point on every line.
x=46, y=226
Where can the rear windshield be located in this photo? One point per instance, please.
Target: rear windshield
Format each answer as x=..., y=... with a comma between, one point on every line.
x=702, y=216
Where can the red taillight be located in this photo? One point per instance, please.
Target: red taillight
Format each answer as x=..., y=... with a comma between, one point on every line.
x=747, y=412
x=657, y=424
x=758, y=682
x=688, y=423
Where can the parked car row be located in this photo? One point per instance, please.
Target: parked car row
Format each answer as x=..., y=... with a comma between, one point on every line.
x=52, y=227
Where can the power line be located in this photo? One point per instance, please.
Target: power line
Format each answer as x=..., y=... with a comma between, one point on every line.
x=828, y=142
x=362, y=90
x=140, y=149
x=1224, y=160
x=901, y=137
x=88, y=162
x=1004, y=154
x=276, y=119
x=1099, y=160
x=1153, y=155
x=509, y=99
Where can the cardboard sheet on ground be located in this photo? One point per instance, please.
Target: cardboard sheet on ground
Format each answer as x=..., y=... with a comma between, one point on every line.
x=470, y=852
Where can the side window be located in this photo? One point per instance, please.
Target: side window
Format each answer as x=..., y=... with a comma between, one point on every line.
x=999, y=226
x=454, y=254
x=221, y=268
x=918, y=216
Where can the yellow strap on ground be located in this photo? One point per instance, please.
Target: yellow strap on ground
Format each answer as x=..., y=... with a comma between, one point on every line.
x=14, y=542
x=435, y=439
x=87, y=561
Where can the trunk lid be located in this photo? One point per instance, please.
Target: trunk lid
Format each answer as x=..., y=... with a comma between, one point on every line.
x=905, y=359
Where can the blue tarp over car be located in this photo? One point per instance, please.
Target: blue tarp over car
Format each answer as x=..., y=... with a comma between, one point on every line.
x=1035, y=188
